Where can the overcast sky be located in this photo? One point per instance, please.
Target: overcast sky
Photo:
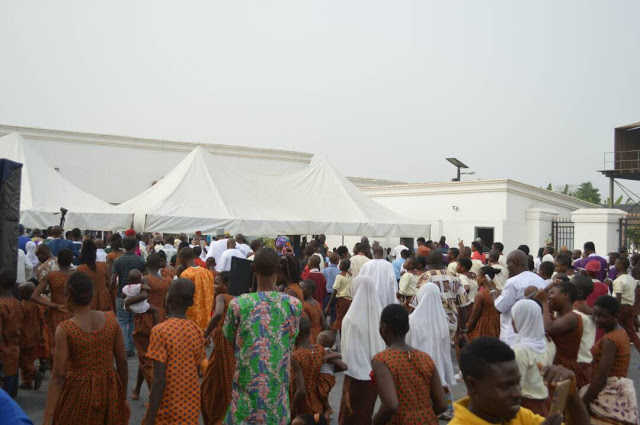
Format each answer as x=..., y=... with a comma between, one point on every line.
x=527, y=90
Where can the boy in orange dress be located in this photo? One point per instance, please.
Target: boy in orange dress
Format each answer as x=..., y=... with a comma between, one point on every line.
x=177, y=349
x=10, y=325
x=331, y=364
x=30, y=338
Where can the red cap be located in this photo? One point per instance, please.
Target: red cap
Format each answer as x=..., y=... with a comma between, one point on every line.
x=593, y=266
x=130, y=233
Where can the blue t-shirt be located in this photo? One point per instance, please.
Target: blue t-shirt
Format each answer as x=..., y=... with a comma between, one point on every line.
x=58, y=244
x=330, y=274
x=22, y=242
x=10, y=412
x=397, y=266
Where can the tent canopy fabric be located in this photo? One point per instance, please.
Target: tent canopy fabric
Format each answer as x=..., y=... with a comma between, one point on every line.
x=44, y=191
x=204, y=193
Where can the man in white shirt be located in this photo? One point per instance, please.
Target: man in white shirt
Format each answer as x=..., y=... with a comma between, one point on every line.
x=224, y=265
x=513, y=291
x=241, y=245
x=101, y=255
x=360, y=259
x=216, y=248
x=501, y=278
x=498, y=246
x=547, y=254
x=381, y=271
x=584, y=287
x=168, y=248
x=397, y=251
x=25, y=268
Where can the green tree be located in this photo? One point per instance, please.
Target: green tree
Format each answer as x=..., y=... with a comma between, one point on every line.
x=587, y=192
x=565, y=191
x=549, y=187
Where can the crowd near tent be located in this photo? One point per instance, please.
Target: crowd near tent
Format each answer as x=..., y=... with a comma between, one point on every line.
x=204, y=193
x=44, y=191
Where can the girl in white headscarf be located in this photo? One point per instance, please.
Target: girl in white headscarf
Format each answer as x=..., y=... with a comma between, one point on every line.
x=361, y=341
x=531, y=347
x=429, y=332
x=31, y=253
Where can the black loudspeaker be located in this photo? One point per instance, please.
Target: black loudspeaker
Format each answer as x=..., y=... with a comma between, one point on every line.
x=240, y=276
x=10, y=180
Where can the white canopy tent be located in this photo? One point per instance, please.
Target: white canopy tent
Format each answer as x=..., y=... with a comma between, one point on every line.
x=44, y=191
x=203, y=193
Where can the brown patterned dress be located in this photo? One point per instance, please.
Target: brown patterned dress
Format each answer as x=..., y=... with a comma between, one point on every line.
x=57, y=280
x=313, y=312
x=412, y=372
x=567, y=347
x=310, y=360
x=10, y=324
x=216, y=384
x=623, y=353
x=92, y=391
x=143, y=323
x=297, y=290
x=488, y=323
x=101, y=298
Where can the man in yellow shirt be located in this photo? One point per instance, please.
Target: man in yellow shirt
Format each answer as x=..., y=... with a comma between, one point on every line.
x=492, y=378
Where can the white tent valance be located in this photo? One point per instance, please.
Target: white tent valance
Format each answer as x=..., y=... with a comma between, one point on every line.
x=44, y=191
x=204, y=193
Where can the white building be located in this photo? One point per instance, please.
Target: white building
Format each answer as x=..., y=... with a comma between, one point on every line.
x=503, y=210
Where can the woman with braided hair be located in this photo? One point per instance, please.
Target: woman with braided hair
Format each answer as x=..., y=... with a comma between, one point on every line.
x=289, y=276
x=84, y=387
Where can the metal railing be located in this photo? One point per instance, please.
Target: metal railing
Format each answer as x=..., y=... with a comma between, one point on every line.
x=626, y=160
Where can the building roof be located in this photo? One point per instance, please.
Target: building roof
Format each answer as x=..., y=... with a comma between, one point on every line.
x=156, y=144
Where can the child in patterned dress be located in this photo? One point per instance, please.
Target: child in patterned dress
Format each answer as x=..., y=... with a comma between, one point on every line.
x=332, y=363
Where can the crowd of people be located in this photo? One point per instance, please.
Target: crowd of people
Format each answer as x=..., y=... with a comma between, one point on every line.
x=391, y=320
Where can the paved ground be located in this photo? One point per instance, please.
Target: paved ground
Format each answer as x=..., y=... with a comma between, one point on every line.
x=33, y=401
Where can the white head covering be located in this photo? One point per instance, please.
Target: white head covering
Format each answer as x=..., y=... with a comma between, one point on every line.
x=429, y=331
x=31, y=253
x=527, y=316
x=361, y=338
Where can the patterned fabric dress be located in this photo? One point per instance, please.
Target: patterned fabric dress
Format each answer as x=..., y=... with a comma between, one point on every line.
x=29, y=339
x=412, y=372
x=489, y=321
x=200, y=311
x=43, y=349
x=57, y=281
x=101, y=297
x=297, y=290
x=10, y=325
x=143, y=323
x=567, y=347
x=179, y=344
x=92, y=392
x=313, y=312
x=310, y=360
x=617, y=401
x=216, y=384
x=263, y=326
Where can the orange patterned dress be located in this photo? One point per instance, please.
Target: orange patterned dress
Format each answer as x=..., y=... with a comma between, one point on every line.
x=412, y=372
x=57, y=281
x=310, y=360
x=488, y=323
x=297, y=290
x=29, y=340
x=623, y=353
x=111, y=257
x=200, y=311
x=101, y=298
x=143, y=323
x=179, y=344
x=567, y=347
x=92, y=391
x=313, y=312
x=10, y=325
x=216, y=384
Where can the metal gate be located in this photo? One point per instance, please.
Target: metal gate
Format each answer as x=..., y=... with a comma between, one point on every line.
x=562, y=233
x=629, y=233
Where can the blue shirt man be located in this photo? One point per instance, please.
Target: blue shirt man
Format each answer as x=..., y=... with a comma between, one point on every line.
x=397, y=266
x=330, y=273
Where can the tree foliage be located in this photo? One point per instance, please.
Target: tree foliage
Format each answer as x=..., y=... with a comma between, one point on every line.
x=587, y=192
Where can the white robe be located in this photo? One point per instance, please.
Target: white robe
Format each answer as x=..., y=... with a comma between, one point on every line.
x=216, y=248
x=384, y=277
x=361, y=338
x=429, y=331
